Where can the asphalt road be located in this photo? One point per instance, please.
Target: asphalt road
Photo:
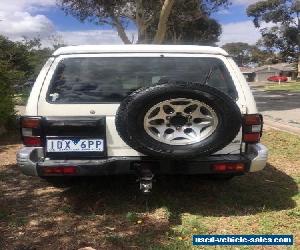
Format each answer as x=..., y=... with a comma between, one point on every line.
x=280, y=108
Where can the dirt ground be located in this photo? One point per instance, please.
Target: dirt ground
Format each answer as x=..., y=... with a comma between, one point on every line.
x=110, y=213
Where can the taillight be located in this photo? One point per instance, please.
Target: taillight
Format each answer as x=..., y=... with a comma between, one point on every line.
x=60, y=170
x=32, y=141
x=30, y=122
x=228, y=167
x=252, y=128
x=31, y=130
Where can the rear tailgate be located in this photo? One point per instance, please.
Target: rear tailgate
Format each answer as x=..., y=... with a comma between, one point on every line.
x=114, y=145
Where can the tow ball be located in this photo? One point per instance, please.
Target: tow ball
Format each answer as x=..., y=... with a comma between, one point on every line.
x=145, y=176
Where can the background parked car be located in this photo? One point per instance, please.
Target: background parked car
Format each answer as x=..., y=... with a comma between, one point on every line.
x=277, y=79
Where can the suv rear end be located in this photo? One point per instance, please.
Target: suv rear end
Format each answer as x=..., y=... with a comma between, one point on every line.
x=70, y=129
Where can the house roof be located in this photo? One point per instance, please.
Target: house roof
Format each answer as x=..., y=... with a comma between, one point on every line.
x=247, y=70
x=278, y=66
x=140, y=48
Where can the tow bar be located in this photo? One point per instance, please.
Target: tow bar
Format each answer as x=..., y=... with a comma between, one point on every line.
x=145, y=176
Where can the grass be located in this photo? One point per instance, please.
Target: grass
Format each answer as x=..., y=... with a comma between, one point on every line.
x=110, y=213
x=3, y=214
x=132, y=217
x=289, y=86
x=12, y=220
x=282, y=145
x=18, y=221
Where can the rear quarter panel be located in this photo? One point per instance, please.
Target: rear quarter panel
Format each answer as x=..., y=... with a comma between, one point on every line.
x=32, y=103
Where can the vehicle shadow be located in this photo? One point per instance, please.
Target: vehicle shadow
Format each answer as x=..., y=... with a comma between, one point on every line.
x=103, y=212
x=270, y=189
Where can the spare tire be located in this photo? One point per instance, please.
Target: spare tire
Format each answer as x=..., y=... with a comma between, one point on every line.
x=178, y=120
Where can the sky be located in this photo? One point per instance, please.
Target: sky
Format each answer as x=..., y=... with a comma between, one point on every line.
x=44, y=19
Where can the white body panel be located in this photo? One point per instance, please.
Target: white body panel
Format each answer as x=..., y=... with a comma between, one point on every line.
x=38, y=106
x=139, y=48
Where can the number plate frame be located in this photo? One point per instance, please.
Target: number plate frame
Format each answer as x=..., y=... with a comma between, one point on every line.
x=74, y=127
x=74, y=145
x=75, y=154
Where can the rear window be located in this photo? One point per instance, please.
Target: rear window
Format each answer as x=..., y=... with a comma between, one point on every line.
x=102, y=80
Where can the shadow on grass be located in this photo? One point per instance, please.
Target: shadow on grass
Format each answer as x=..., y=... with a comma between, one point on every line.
x=270, y=189
x=100, y=212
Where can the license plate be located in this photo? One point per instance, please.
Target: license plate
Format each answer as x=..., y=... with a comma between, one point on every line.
x=75, y=145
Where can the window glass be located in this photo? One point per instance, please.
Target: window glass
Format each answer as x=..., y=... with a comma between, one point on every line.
x=100, y=79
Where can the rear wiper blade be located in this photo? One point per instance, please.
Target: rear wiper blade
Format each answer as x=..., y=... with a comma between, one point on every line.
x=205, y=82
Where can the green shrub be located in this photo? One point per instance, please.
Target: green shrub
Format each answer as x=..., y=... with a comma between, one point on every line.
x=19, y=61
x=6, y=94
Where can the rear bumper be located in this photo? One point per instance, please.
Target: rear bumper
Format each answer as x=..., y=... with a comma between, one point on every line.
x=258, y=153
x=31, y=162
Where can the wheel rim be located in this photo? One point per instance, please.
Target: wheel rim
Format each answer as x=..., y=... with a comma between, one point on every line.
x=180, y=121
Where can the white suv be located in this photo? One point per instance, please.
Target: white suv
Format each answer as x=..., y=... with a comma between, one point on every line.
x=146, y=109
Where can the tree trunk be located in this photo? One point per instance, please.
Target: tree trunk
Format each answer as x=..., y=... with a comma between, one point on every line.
x=297, y=8
x=120, y=29
x=2, y=129
x=163, y=20
x=140, y=21
x=298, y=75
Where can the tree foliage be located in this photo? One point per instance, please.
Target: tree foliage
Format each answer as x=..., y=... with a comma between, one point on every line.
x=35, y=54
x=19, y=61
x=13, y=65
x=157, y=21
x=202, y=31
x=241, y=52
x=284, y=33
x=245, y=54
x=262, y=56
